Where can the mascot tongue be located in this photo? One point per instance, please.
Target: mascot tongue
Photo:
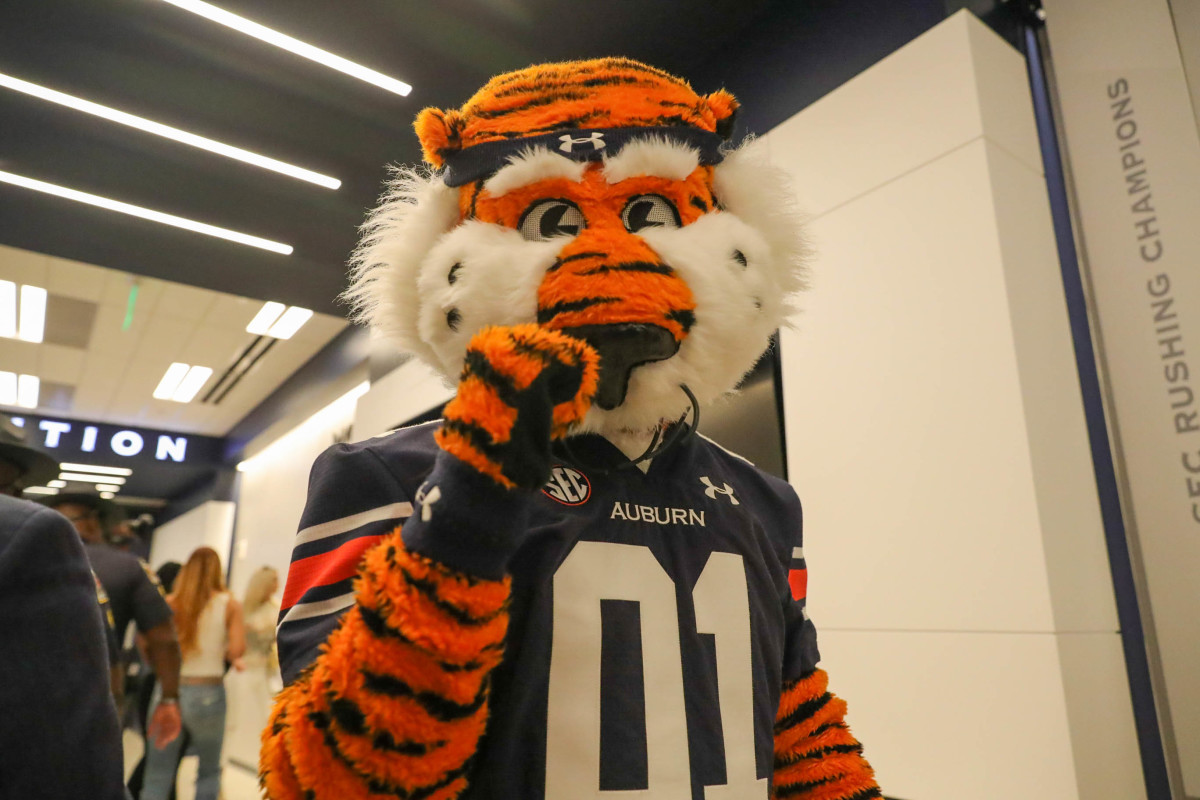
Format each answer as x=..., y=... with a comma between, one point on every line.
x=623, y=346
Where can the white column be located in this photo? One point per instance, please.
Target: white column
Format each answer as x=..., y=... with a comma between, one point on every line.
x=936, y=435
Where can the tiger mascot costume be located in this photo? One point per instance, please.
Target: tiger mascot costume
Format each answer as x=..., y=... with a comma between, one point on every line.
x=561, y=590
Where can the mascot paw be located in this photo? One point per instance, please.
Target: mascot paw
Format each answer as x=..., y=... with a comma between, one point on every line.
x=520, y=387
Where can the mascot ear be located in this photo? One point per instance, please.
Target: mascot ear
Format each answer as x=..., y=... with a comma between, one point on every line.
x=440, y=133
x=724, y=107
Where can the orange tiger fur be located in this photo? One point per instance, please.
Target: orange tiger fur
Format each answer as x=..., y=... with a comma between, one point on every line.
x=816, y=756
x=601, y=93
x=396, y=702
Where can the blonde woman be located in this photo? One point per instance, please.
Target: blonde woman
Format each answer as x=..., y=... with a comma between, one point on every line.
x=211, y=632
x=262, y=612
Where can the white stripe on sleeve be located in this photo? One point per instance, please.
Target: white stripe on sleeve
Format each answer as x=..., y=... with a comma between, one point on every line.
x=334, y=527
x=318, y=609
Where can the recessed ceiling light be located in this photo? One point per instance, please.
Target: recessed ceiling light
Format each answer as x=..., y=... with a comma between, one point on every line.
x=181, y=382
x=263, y=33
x=8, y=309
x=67, y=467
x=265, y=317
x=106, y=495
x=33, y=314
x=290, y=322
x=191, y=384
x=107, y=487
x=170, y=381
x=40, y=490
x=144, y=213
x=19, y=390
x=56, y=484
x=82, y=478
x=167, y=131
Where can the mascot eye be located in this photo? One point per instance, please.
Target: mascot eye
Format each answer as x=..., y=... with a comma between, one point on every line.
x=546, y=219
x=649, y=211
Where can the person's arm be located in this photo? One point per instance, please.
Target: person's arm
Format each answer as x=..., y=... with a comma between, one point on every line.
x=398, y=699
x=235, y=631
x=162, y=651
x=59, y=734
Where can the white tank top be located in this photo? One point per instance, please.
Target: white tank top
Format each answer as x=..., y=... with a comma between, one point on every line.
x=209, y=660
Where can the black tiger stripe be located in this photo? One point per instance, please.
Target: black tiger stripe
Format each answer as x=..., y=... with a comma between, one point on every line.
x=567, y=259
x=436, y=705
x=544, y=315
x=802, y=712
x=544, y=100
x=470, y=580
x=562, y=88
x=383, y=787
x=562, y=125
x=378, y=626
x=685, y=317
x=631, y=266
x=821, y=752
x=791, y=758
x=460, y=615
x=799, y=789
x=477, y=364
x=351, y=719
x=699, y=203
x=478, y=438
x=475, y=198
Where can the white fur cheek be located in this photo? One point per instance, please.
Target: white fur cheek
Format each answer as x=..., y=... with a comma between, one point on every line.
x=737, y=305
x=495, y=282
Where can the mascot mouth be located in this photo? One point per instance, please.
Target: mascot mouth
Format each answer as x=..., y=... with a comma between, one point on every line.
x=623, y=346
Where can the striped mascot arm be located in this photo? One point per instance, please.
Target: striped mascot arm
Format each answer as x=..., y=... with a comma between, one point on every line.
x=816, y=756
x=397, y=700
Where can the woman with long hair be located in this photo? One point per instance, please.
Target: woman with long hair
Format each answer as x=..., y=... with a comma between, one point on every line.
x=211, y=631
x=251, y=691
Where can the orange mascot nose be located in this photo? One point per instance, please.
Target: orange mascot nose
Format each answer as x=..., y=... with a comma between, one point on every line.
x=609, y=288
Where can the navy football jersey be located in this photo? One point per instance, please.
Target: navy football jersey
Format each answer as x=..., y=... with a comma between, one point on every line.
x=654, y=616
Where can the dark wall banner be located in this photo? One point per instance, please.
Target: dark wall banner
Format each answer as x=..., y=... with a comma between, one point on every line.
x=1134, y=151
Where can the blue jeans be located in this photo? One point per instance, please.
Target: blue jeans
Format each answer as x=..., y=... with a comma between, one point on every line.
x=202, y=707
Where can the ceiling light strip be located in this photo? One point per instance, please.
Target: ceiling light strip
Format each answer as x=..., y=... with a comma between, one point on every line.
x=144, y=213
x=93, y=479
x=166, y=131
x=39, y=490
x=93, y=469
x=8, y=388
x=265, y=34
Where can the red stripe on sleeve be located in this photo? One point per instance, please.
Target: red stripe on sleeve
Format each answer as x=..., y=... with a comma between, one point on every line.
x=331, y=567
x=798, y=580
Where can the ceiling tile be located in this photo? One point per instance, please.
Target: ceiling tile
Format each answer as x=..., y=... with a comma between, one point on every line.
x=24, y=266
x=107, y=334
x=75, y=279
x=18, y=356
x=185, y=302
x=117, y=286
x=69, y=320
x=101, y=376
x=60, y=364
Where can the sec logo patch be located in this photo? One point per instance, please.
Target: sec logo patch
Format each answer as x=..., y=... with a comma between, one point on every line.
x=568, y=486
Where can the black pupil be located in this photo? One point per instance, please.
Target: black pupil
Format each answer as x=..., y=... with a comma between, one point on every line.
x=552, y=222
x=639, y=215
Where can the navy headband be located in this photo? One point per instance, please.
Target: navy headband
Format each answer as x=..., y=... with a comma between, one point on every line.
x=578, y=144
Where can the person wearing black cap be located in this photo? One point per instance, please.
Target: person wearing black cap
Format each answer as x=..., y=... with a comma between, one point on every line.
x=135, y=595
x=60, y=736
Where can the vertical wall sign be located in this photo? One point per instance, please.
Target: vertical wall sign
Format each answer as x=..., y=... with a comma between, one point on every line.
x=1134, y=151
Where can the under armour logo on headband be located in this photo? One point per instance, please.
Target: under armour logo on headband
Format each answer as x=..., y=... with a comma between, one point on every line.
x=596, y=140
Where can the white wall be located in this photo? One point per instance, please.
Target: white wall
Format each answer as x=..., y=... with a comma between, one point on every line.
x=936, y=435
x=209, y=524
x=410, y=389
x=274, y=486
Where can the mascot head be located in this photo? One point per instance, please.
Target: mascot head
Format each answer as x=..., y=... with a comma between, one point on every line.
x=598, y=198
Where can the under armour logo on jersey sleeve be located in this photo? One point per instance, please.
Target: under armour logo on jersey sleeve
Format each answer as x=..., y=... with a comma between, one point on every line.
x=712, y=491
x=426, y=497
